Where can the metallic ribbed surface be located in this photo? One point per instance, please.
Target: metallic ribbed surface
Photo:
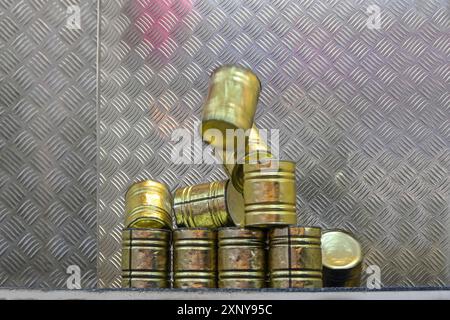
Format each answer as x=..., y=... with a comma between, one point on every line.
x=241, y=258
x=270, y=193
x=202, y=205
x=146, y=258
x=194, y=258
x=256, y=150
x=295, y=257
x=363, y=112
x=48, y=216
x=148, y=204
x=230, y=104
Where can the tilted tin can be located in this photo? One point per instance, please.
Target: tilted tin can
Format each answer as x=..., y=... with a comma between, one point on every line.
x=148, y=204
x=194, y=258
x=209, y=205
x=231, y=103
x=270, y=194
x=241, y=258
x=256, y=149
x=342, y=259
x=145, y=258
x=295, y=257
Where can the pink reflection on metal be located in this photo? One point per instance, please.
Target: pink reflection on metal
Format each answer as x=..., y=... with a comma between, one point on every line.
x=158, y=19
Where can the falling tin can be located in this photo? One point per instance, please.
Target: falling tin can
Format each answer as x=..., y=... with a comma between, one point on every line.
x=209, y=205
x=295, y=257
x=270, y=194
x=342, y=259
x=145, y=258
x=241, y=258
x=195, y=258
x=231, y=103
x=256, y=150
x=148, y=204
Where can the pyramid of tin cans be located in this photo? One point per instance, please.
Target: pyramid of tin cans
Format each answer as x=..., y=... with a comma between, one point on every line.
x=238, y=233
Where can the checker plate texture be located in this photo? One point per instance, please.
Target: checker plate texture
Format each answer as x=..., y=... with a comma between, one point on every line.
x=47, y=144
x=364, y=112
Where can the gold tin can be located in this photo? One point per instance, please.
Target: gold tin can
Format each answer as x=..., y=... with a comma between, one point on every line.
x=295, y=257
x=269, y=194
x=241, y=258
x=231, y=102
x=195, y=258
x=342, y=259
x=256, y=149
x=145, y=258
x=209, y=205
x=148, y=204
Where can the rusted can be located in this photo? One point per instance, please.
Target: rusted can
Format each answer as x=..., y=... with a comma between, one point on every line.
x=241, y=258
x=270, y=194
x=195, y=258
x=256, y=149
x=209, y=205
x=231, y=103
x=145, y=258
x=295, y=257
x=148, y=204
x=342, y=259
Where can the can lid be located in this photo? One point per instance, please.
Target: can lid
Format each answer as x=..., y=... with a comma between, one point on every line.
x=235, y=205
x=340, y=250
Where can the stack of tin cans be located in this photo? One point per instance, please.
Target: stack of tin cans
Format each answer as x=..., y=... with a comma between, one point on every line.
x=239, y=233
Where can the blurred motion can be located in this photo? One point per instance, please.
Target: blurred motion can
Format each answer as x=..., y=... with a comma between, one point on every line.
x=269, y=194
x=256, y=149
x=145, y=258
x=295, y=258
x=209, y=205
x=195, y=258
x=231, y=103
x=342, y=259
x=148, y=204
x=241, y=258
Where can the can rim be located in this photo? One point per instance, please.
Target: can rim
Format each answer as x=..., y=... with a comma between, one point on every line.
x=194, y=228
x=146, y=229
x=352, y=264
x=156, y=183
x=238, y=66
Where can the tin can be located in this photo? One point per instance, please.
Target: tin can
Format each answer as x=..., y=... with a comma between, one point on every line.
x=209, y=205
x=295, y=257
x=145, y=258
x=256, y=149
x=148, y=204
x=270, y=194
x=342, y=259
x=241, y=258
x=231, y=103
x=195, y=258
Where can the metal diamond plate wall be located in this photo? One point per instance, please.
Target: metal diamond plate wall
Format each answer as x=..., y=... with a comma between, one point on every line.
x=363, y=111
x=47, y=144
